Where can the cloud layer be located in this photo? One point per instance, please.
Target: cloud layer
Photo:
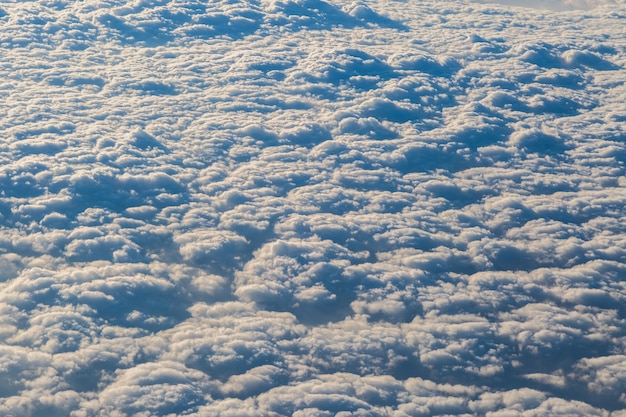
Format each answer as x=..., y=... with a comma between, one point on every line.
x=311, y=208
x=556, y=5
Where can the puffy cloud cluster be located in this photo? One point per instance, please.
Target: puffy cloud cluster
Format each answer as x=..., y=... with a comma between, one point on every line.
x=310, y=207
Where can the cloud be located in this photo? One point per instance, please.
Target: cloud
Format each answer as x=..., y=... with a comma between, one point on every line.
x=603, y=376
x=362, y=348
x=210, y=246
x=301, y=275
x=256, y=380
x=154, y=388
x=229, y=339
x=310, y=207
x=558, y=5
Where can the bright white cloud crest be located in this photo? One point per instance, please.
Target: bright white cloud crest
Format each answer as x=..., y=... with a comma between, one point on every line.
x=312, y=208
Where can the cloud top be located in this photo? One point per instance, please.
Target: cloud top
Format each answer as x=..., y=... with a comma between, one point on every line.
x=311, y=208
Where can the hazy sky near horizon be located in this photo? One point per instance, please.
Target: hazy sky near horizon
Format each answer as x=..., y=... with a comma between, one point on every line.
x=557, y=5
x=312, y=208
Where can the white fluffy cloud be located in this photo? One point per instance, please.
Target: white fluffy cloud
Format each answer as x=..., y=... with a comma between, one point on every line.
x=312, y=207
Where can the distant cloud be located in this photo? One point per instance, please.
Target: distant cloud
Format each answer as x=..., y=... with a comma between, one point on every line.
x=553, y=4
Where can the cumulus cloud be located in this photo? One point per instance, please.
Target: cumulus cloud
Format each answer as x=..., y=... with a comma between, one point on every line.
x=154, y=388
x=312, y=207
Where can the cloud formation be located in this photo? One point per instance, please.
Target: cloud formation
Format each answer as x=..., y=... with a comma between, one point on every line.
x=557, y=5
x=312, y=208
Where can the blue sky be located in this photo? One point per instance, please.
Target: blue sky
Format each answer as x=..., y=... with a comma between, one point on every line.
x=312, y=208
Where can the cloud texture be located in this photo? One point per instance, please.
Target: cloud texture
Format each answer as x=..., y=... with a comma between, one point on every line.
x=312, y=208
